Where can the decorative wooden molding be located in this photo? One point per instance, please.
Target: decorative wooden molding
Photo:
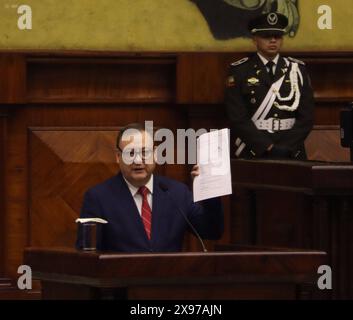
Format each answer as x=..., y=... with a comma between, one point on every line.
x=101, y=80
x=13, y=78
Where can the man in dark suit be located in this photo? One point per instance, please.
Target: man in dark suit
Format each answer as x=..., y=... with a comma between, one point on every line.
x=147, y=212
x=269, y=98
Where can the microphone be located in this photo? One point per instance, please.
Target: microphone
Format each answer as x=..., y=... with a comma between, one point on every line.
x=166, y=190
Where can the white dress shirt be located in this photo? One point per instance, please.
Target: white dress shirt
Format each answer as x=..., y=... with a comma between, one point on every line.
x=264, y=61
x=138, y=197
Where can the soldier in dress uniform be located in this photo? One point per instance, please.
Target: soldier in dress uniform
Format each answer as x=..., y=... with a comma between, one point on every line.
x=269, y=98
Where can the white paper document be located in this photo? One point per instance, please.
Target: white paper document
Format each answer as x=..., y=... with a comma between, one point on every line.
x=213, y=158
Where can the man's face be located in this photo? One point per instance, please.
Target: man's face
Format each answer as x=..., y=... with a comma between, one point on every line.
x=135, y=157
x=268, y=46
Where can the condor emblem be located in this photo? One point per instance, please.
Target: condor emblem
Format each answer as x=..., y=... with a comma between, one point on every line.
x=272, y=18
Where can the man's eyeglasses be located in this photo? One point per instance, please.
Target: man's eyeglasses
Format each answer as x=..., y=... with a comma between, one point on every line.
x=131, y=154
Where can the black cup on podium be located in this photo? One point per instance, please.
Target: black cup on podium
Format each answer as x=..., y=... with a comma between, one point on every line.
x=89, y=231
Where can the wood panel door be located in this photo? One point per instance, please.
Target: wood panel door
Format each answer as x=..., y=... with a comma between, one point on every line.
x=64, y=163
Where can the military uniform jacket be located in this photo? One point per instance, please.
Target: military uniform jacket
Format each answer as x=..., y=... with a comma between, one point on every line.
x=247, y=85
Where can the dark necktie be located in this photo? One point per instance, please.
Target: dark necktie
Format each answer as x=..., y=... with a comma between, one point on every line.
x=146, y=212
x=269, y=66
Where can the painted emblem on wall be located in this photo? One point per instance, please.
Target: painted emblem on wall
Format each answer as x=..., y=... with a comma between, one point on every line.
x=229, y=19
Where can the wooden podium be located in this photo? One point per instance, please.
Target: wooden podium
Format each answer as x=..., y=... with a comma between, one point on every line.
x=250, y=274
x=297, y=204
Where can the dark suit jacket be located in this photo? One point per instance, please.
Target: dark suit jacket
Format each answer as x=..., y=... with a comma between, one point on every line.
x=244, y=98
x=112, y=201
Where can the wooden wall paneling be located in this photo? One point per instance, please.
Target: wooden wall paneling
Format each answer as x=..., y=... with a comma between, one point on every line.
x=323, y=144
x=332, y=233
x=331, y=77
x=16, y=201
x=336, y=222
x=207, y=87
x=101, y=92
x=62, y=168
x=184, y=78
x=207, y=116
x=348, y=239
x=242, y=215
x=327, y=113
x=283, y=220
x=345, y=225
x=317, y=217
x=276, y=222
x=3, y=137
x=201, y=76
x=226, y=238
x=104, y=80
x=13, y=78
x=12, y=91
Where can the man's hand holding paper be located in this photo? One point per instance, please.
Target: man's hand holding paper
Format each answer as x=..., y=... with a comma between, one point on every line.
x=214, y=179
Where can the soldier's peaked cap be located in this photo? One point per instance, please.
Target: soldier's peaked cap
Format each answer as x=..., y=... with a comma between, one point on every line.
x=271, y=23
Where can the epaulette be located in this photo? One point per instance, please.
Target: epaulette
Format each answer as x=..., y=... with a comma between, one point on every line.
x=239, y=62
x=296, y=60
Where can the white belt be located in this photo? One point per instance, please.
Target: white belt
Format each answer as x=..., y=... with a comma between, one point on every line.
x=275, y=124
